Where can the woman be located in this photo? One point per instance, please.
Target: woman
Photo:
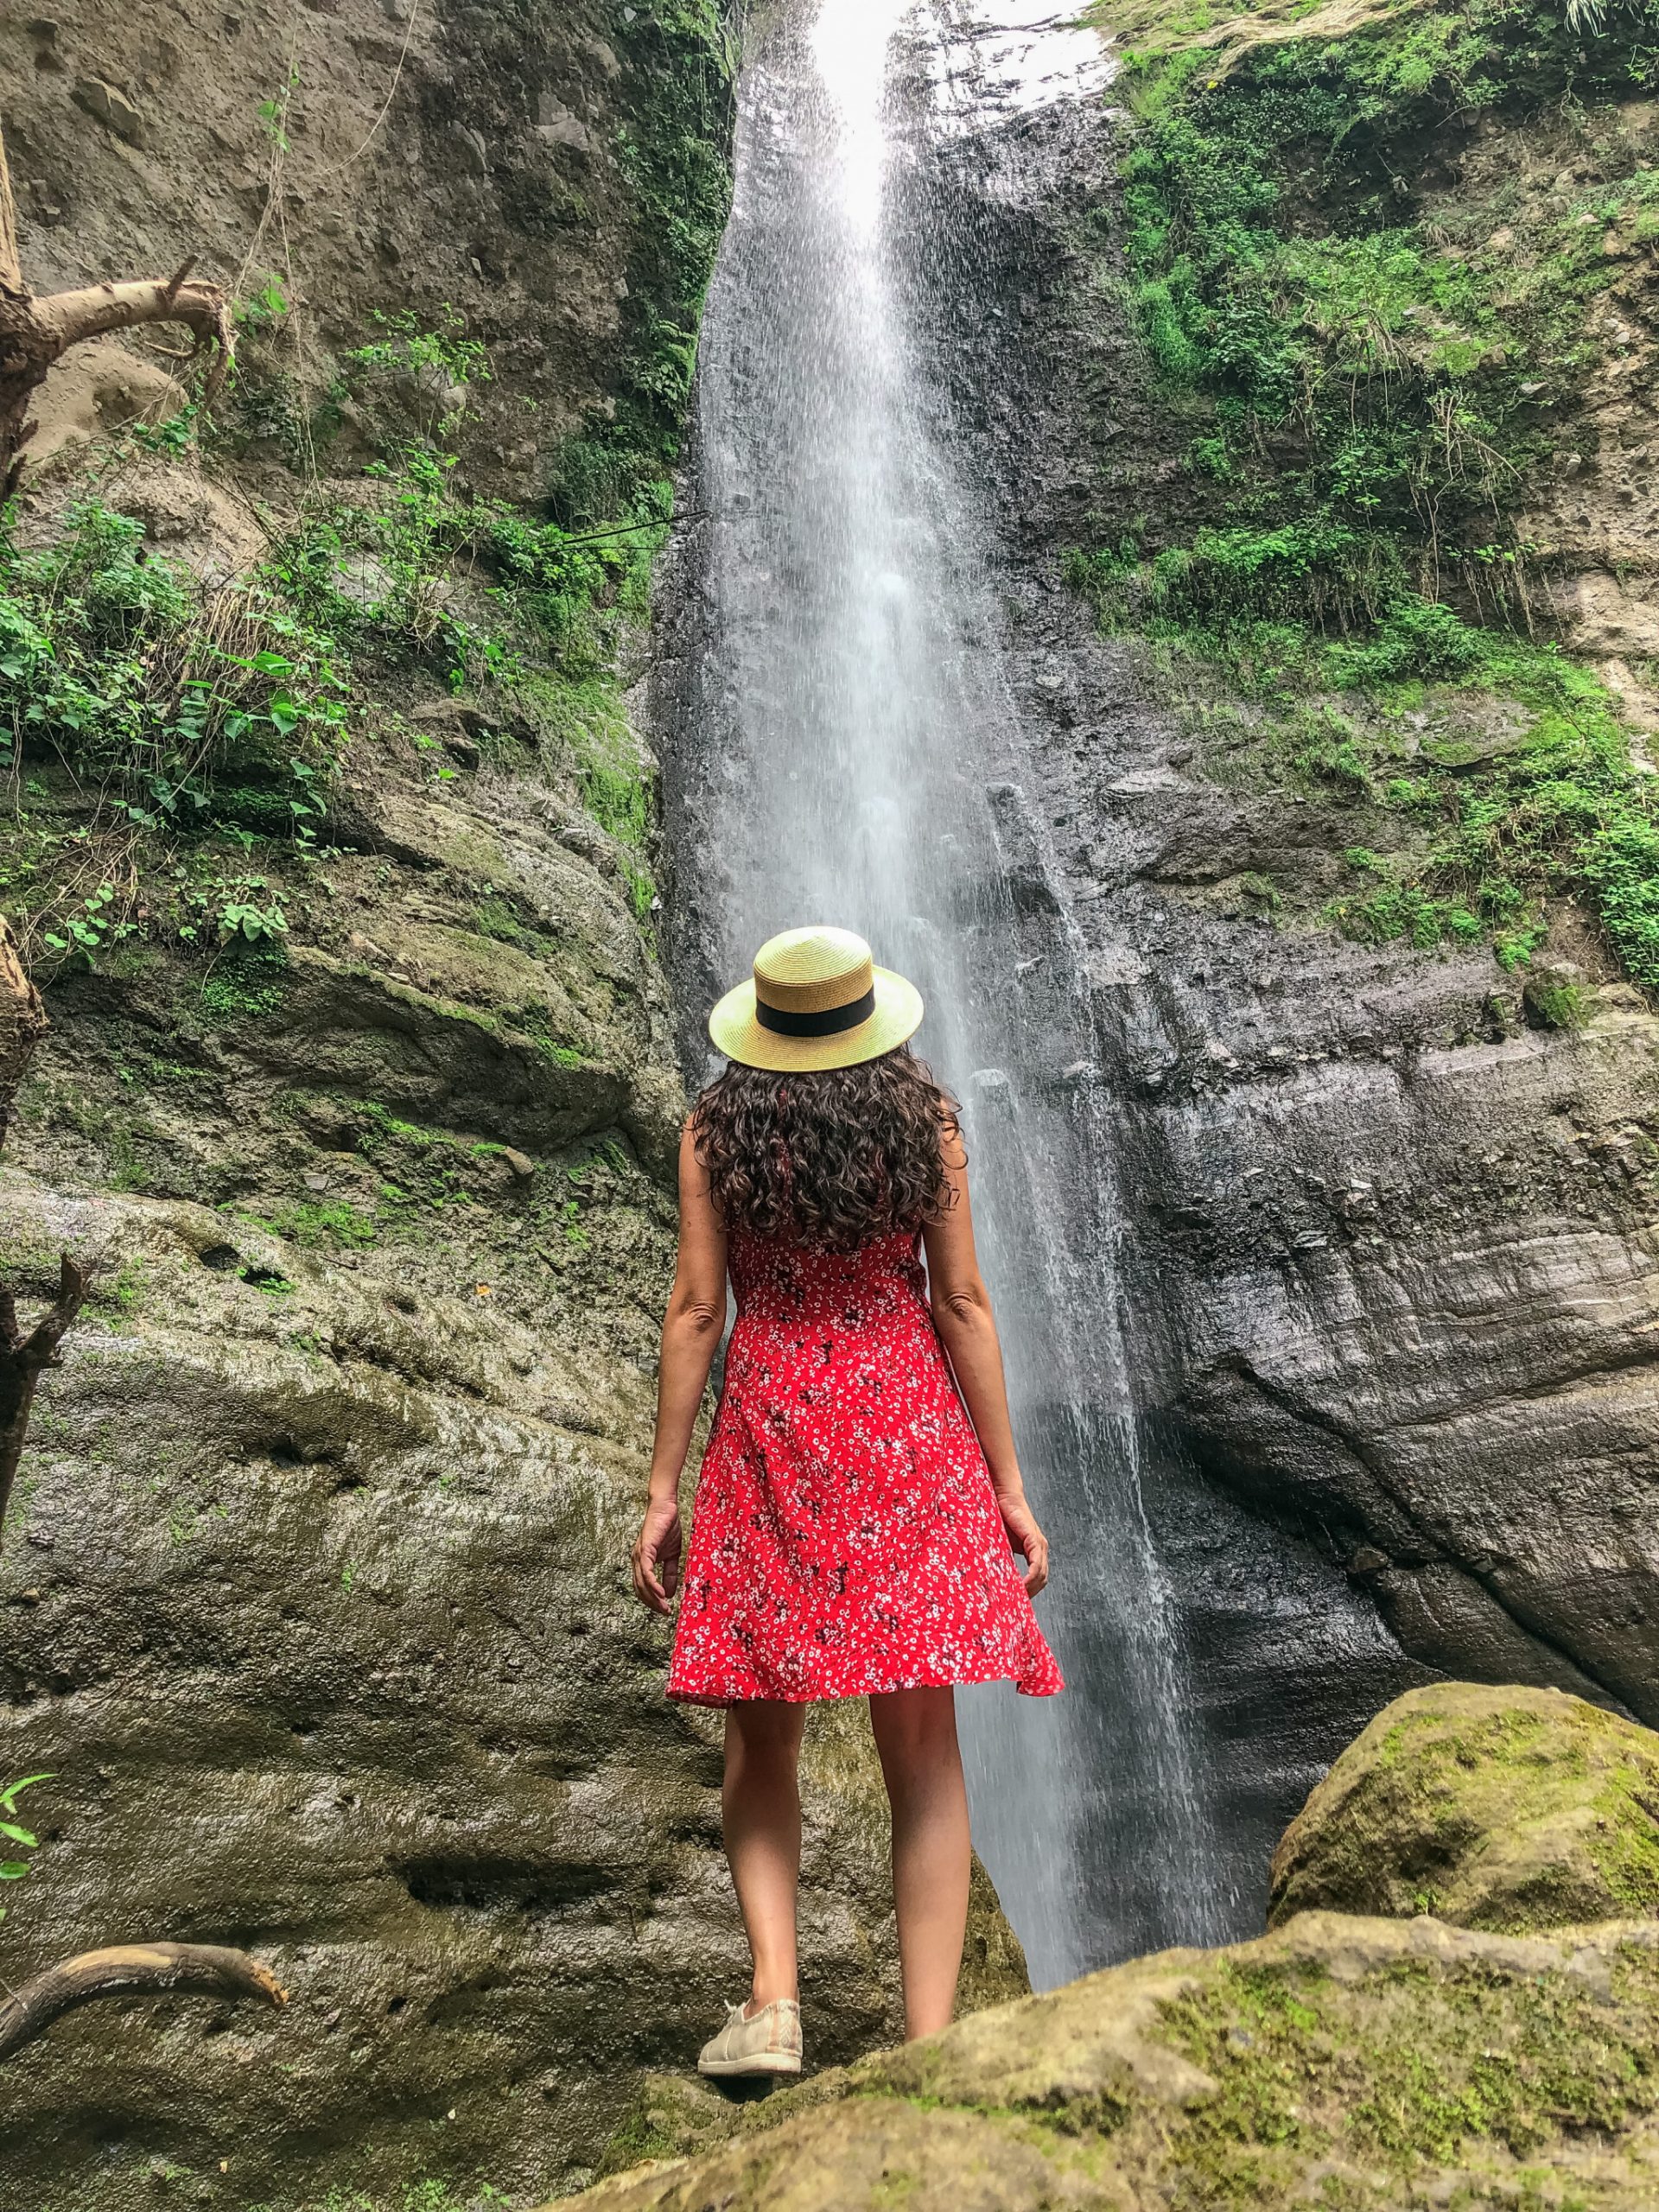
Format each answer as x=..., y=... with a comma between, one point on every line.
x=858, y=1509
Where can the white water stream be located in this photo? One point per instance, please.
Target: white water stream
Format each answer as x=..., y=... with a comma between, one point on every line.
x=849, y=752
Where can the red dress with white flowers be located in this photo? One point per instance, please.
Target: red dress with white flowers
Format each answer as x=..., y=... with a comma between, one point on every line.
x=846, y=1537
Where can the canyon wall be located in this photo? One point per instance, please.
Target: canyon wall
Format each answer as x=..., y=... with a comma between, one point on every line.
x=331, y=843
x=1310, y=385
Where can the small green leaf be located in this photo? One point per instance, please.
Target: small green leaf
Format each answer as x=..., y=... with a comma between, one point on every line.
x=10, y=1829
x=14, y=1790
x=13, y=1870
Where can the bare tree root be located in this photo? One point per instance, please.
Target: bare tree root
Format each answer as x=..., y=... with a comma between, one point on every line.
x=35, y=333
x=132, y=1970
x=24, y=1358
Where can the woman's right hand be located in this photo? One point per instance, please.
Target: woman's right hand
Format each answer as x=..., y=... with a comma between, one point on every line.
x=656, y=1554
x=1026, y=1538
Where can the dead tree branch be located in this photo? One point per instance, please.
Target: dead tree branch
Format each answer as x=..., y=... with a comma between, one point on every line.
x=23, y=1022
x=35, y=333
x=24, y=1358
x=132, y=1970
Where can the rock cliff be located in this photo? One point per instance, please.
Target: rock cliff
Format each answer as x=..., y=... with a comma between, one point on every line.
x=330, y=841
x=1366, y=905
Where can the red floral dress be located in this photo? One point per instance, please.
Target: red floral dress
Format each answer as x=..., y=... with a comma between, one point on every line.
x=846, y=1537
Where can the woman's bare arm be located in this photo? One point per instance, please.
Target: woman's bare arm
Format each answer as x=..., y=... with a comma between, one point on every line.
x=967, y=1327
x=692, y=1333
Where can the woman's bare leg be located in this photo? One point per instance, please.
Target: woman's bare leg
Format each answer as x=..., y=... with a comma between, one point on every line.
x=932, y=1852
x=761, y=1804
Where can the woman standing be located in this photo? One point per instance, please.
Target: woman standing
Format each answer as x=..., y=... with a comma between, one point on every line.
x=860, y=1502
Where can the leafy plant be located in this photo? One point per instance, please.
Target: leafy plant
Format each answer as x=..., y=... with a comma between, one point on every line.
x=88, y=929
x=263, y=308
x=13, y=1832
x=404, y=349
x=114, y=658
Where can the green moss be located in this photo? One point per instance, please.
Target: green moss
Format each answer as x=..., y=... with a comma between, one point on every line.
x=1510, y=1809
x=245, y=987
x=436, y=2196
x=1413, y=2067
x=1624, y=1842
x=329, y=1223
x=1475, y=2066
x=120, y=1295
x=1260, y=2035
x=1558, y=1005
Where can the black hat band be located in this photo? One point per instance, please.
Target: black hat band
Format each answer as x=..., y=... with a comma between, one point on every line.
x=830, y=1023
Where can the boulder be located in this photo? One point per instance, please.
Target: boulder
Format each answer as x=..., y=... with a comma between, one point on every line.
x=1505, y=1808
x=1356, y=2061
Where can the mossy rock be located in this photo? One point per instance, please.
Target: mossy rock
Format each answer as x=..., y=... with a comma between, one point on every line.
x=1339, y=2061
x=1502, y=1807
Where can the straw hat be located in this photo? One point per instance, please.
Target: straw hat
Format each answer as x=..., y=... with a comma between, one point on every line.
x=815, y=1001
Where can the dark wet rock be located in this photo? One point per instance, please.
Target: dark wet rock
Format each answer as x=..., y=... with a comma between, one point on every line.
x=1389, y=1234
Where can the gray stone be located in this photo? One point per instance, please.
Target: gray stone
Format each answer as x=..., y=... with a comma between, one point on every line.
x=558, y=126
x=108, y=105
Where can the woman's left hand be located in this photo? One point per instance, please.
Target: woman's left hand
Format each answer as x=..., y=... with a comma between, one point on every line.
x=1027, y=1539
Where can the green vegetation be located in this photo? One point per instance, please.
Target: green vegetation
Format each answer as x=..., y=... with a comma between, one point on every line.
x=326, y=1224
x=198, y=723
x=245, y=984
x=201, y=727
x=415, y=2196
x=14, y=1834
x=1369, y=378
x=680, y=58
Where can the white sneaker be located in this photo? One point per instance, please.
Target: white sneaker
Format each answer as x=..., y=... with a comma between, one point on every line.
x=766, y=2041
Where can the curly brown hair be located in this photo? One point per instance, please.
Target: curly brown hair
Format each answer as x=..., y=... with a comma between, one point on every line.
x=833, y=1156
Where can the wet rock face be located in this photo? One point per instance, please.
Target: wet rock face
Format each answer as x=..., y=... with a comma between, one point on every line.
x=1505, y=1808
x=1370, y=2063
x=1390, y=1247
x=313, y=1605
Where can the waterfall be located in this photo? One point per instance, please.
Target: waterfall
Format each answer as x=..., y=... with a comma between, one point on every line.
x=841, y=744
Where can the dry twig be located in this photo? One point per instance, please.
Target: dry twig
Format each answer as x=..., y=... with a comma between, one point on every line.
x=132, y=1970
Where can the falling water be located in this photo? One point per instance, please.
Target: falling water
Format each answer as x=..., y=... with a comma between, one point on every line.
x=841, y=744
